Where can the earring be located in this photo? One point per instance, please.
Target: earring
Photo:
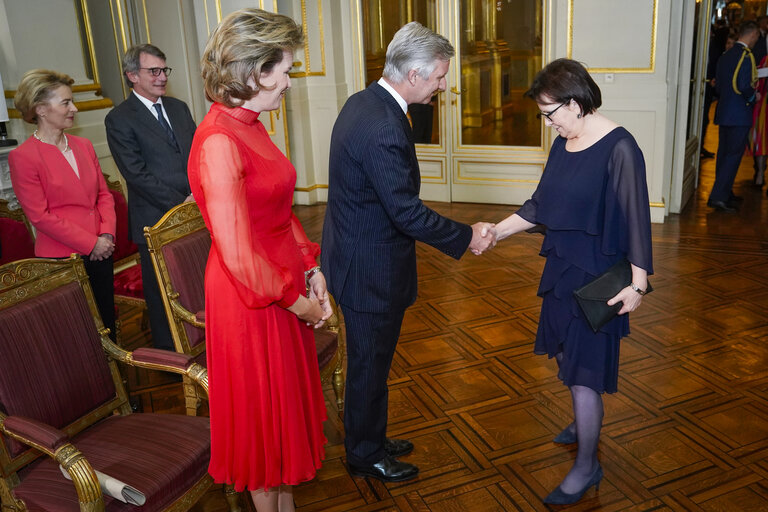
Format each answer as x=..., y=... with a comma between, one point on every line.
x=578, y=116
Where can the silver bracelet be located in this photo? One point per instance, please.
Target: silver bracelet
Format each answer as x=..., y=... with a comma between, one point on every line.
x=636, y=288
x=311, y=272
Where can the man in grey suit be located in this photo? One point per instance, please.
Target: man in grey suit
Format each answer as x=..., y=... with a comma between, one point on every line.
x=149, y=135
x=373, y=218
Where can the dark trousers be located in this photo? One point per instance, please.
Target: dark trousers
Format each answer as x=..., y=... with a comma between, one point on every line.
x=158, y=321
x=371, y=342
x=731, y=146
x=709, y=96
x=101, y=277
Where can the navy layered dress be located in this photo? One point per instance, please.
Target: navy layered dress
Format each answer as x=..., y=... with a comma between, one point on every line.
x=594, y=204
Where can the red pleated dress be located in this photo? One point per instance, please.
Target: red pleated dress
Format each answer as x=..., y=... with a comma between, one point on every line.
x=266, y=402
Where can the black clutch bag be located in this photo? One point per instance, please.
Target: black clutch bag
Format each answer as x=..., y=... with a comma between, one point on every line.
x=593, y=296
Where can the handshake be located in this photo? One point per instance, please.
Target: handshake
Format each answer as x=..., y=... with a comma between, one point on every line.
x=484, y=237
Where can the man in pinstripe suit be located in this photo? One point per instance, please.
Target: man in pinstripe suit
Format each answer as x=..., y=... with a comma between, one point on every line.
x=373, y=218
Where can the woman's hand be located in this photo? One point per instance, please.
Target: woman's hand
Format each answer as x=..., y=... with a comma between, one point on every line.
x=630, y=299
x=319, y=290
x=308, y=310
x=103, y=249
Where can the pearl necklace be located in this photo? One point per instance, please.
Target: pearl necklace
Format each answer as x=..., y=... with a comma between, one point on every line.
x=66, y=141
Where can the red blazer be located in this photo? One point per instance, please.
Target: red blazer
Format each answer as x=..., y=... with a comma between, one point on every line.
x=68, y=213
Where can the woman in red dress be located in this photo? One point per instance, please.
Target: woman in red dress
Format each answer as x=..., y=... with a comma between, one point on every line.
x=266, y=404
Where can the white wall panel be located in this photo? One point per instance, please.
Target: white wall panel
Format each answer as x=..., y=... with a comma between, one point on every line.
x=599, y=31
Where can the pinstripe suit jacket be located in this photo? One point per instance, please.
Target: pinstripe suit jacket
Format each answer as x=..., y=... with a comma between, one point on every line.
x=374, y=214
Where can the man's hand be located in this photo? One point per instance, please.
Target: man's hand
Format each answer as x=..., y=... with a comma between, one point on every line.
x=483, y=237
x=318, y=290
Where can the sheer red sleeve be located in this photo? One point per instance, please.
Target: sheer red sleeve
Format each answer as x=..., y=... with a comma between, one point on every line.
x=309, y=250
x=259, y=280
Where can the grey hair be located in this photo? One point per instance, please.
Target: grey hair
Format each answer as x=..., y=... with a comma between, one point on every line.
x=416, y=47
x=132, y=59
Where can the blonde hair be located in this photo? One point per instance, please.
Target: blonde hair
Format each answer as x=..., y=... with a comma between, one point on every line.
x=246, y=43
x=35, y=88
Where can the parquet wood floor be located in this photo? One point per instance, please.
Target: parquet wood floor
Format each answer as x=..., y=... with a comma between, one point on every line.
x=688, y=429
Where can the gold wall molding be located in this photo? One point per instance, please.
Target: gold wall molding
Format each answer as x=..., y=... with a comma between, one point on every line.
x=310, y=188
x=651, y=68
x=307, y=71
x=146, y=18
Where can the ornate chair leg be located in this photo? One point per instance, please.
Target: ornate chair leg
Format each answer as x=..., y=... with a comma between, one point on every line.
x=338, y=388
x=232, y=497
x=191, y=398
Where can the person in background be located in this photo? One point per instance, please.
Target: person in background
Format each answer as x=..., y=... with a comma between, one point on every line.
x=149, y=135
x=373, y=219
x=735, y=84
x=716, y=49
x=593, y=200
x=263, y=288
x=759, y=132
x=761, y=46
x=58, y=181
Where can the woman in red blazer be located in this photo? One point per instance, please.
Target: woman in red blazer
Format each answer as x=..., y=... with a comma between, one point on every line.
x=58, y=182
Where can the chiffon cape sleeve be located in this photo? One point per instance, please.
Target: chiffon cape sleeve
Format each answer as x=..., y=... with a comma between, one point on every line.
x=259, y=280
x=602, y=193
x=626, y=171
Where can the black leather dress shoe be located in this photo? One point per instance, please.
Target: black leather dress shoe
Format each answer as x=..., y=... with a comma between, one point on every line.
x=388, y=469
x=706, y=154
x=721, y=206
x=397, y=447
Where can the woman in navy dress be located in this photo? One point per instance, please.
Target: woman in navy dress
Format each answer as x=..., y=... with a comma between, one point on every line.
x=593, y=201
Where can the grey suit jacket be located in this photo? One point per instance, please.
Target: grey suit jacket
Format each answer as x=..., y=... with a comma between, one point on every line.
x=154, y=168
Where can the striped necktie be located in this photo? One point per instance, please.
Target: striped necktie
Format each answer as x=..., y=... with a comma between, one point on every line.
x=166, y=127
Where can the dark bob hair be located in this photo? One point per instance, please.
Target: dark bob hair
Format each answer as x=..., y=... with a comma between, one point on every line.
x=562, y=80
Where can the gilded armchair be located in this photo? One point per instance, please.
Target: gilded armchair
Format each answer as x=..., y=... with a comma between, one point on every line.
x=63, y=404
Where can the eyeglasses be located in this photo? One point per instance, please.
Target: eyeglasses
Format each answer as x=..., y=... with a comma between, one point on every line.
x=549, y=115
x=157, y=71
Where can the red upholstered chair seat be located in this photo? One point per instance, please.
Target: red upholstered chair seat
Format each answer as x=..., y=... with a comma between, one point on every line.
x=15, y=241
x=128, y=283
x=146, y=451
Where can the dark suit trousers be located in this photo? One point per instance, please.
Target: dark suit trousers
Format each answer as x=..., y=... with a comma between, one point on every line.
x=158, y=321
x=730, y=150
x=102, y=278
x=371, y=342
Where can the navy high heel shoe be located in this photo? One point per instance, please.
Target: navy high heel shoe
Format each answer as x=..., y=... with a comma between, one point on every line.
x=566, y=436
x=558, y=497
